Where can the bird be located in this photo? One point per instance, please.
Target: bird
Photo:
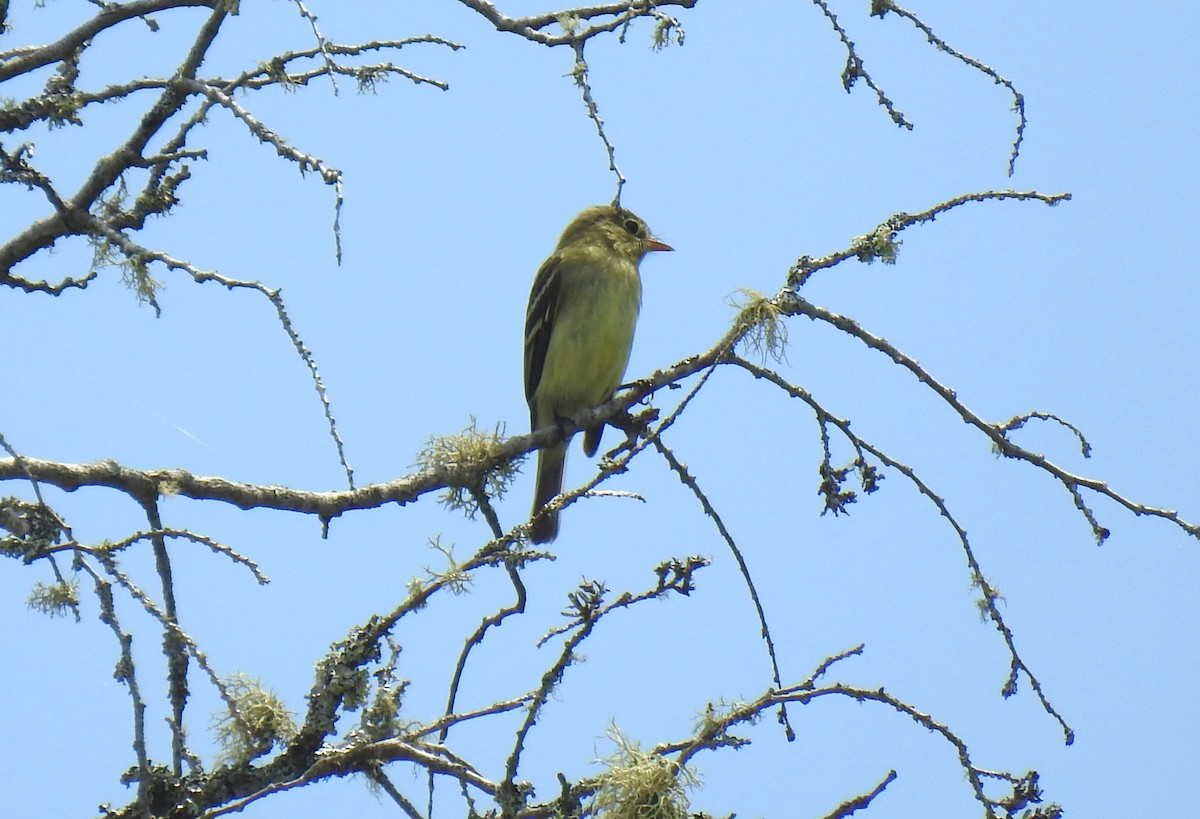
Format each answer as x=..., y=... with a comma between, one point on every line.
x=579, y=326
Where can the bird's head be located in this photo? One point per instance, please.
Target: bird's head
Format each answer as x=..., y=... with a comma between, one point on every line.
x=614, y=227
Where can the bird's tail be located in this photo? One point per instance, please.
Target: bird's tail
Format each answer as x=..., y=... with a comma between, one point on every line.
x=551, y=461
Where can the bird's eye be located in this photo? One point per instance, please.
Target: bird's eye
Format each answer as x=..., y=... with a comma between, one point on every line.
x=633, y=227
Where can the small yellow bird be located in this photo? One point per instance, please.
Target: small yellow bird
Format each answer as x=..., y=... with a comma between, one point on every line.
x=579, y=331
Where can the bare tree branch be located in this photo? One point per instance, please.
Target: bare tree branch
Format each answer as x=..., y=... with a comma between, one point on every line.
x=15, y=63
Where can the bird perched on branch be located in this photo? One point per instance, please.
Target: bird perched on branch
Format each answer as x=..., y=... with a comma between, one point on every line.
x=578, y=333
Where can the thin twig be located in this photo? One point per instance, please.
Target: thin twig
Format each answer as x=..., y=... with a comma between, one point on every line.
x=880, y=8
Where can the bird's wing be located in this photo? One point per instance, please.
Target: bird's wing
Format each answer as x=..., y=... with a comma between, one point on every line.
x=539, y=321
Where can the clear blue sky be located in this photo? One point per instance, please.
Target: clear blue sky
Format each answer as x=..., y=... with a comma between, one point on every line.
x=743, y=152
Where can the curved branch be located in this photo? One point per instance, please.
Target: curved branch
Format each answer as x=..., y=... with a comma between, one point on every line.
x=15, y=63
x=794, y=304
x=531, y=27
x=880, y=8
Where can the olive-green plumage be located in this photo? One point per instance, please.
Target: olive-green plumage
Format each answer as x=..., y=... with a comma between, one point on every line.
x=579, y=331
